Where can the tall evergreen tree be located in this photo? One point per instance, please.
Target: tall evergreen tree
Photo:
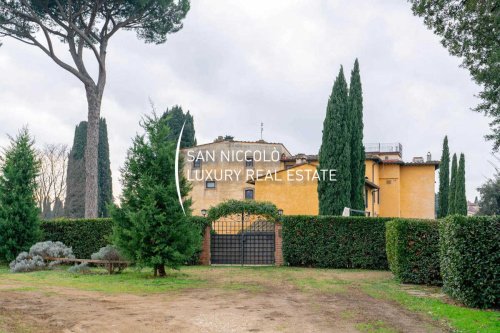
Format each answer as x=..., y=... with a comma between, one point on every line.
x=105, y=186
x=335, y=152
x=75, y=187
x=357, y=147
x=46, y=211
x=19, y=213
x=150, y=225
x=453, y=186
x=444, y=180
x=460, y=198
x=58, y=209
x=175, y=119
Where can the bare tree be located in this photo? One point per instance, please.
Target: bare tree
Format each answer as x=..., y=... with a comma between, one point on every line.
x=52, y=177
x=88, y=25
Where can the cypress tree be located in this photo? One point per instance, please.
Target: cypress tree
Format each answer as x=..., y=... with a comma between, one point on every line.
x=75, y=184
x=105, y=186
x=357, y=147
x=75, y=176
x=58, y=209
x=150, y=225
x=460, y=198
x=19, y=213
x=335, y=152
x=453, y=186
x=444, y=180
x=175, y=118
x=46, y=209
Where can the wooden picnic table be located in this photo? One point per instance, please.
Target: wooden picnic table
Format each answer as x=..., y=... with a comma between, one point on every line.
x=109, y=264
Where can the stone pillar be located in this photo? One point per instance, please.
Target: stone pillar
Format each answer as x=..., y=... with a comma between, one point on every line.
x=205, y=249
x=278, y=245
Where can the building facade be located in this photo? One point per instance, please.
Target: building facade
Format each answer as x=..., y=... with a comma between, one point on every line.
x=220, y=170
x=393, y=188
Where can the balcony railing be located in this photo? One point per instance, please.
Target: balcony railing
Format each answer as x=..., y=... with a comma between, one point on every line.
x=384, y=148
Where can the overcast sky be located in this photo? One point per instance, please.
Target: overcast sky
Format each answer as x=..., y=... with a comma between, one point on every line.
x=236, y=64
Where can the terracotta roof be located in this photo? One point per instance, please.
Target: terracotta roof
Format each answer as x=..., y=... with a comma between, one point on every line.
x=239, y=141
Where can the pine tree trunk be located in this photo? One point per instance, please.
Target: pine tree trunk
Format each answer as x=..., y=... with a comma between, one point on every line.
x=91, y=151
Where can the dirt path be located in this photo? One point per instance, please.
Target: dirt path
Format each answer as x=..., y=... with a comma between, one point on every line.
x=212, y=310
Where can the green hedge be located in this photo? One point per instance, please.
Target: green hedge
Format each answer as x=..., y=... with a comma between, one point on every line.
x=413, y=250
x=201, y=223
x=85, y=236
x=470, y=259
x=334, y=241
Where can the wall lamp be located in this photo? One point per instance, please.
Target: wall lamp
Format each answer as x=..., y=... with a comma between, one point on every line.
x=204, y=212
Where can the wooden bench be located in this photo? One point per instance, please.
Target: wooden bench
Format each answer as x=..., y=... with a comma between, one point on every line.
x=109, y=264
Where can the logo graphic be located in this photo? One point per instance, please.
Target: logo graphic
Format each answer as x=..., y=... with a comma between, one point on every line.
x=177, y=181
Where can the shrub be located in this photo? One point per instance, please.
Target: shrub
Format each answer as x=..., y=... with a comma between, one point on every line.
x=470, y=259
x=34, y=260
x=413, y=250
x=82, y=268
x=109, y=252
x=200, y=223
x=334, y=241
x=51, y=249
x=26, y=263
x=85, y=236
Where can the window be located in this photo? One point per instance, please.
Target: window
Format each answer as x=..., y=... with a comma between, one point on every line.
x=249, y=162
x=210, y=184
x=249, y=194
x=366, y=198
x=197, y=163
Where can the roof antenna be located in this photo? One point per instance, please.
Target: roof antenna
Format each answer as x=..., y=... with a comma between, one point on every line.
x=261, y=130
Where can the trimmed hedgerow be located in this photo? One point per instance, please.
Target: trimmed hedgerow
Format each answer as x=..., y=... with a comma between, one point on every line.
x=85, y=236
x=334, y=241
x=470, y=259
x=413, y=250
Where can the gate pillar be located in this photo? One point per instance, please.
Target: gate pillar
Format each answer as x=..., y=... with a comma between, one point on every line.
x=205, y=250
x=278, y=248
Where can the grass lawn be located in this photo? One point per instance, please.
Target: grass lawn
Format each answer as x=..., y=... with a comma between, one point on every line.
x=265, y=280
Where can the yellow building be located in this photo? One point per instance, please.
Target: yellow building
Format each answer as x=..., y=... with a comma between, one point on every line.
x=393, y=188
x=220, y=170
x=228, y=169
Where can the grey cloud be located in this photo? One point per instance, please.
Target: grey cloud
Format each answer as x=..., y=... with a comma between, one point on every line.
x=237, y=63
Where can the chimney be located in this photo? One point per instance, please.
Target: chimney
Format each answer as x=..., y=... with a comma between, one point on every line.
x=429, y=157
x=300, y=159
x=418, y=159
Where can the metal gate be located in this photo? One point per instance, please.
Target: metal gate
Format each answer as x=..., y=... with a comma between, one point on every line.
x=242, y=240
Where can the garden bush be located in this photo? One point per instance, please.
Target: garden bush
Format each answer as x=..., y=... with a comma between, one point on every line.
x=413, y=250
x=470, y=259
x=110, y=253
x=85, y=236
x=334, y=241
x=34, y=260
x=82, y=268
